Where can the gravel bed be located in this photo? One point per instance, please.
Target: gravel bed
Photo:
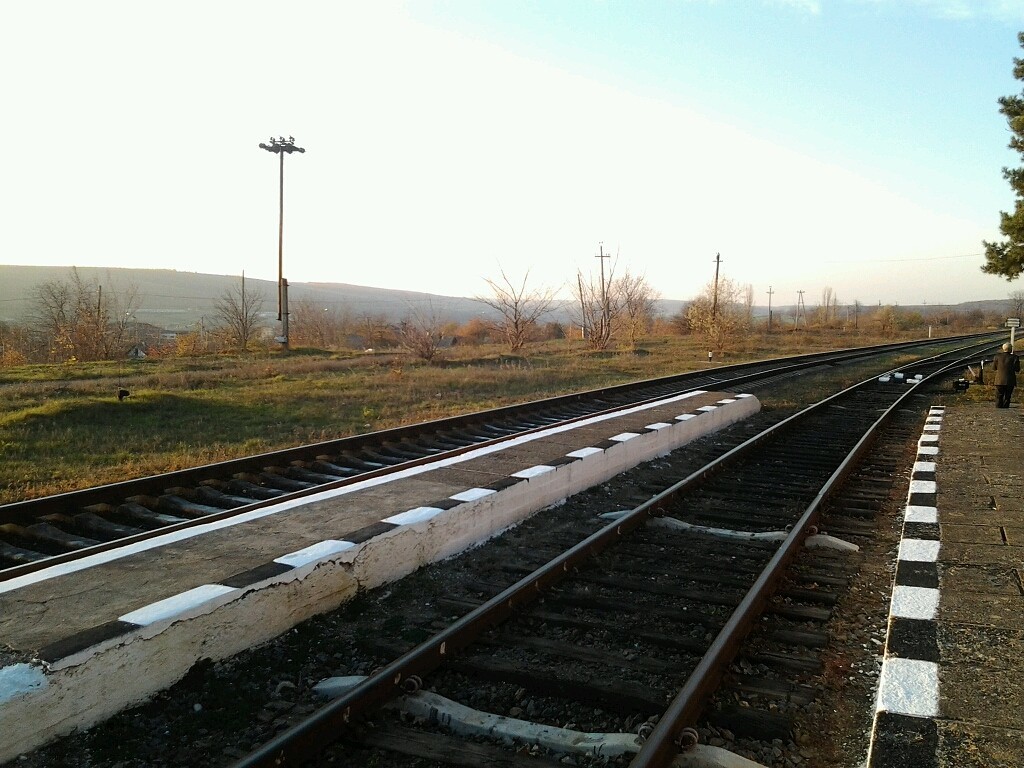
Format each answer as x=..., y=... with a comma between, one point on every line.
x=222, y=710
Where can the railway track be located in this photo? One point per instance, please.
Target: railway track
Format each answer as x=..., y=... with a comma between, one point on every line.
x=606, y=624
x=39, y=533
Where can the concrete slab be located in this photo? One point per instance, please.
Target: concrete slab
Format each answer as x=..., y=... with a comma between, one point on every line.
x=970, y=577
x=972, y=534
x=111, y=631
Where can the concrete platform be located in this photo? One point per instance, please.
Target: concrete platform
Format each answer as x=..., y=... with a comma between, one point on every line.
x=952, y=683
x=82, y=641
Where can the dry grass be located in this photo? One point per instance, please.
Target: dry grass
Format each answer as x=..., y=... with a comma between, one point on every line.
x=62, y=427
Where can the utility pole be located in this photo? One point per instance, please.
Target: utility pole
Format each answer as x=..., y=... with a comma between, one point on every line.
x=280, y=146
x=770, y=309
x=583, y=307
x=800, y=310
x=605, y=313
x=714, y=300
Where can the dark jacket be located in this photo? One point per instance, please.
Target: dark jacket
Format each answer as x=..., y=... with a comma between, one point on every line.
x=1005, y=365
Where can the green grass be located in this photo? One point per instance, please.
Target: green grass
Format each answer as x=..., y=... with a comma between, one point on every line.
x=62, y=427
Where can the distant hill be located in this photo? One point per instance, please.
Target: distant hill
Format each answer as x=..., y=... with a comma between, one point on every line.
x=178, y=300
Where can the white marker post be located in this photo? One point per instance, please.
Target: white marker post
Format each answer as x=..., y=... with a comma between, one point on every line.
x=1013, y=323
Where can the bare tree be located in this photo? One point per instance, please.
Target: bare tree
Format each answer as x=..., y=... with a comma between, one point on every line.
x=1017, y=304
x=75, y=319
x=421, y=333
x=596, y=304
x=317, y=325
x=237, y=313
x=719, y=326
x=520, y=308
x=636, y=301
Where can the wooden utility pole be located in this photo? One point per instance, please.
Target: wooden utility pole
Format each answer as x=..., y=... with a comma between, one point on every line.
x=714, y=299
x=606, y=319
x=770, y=309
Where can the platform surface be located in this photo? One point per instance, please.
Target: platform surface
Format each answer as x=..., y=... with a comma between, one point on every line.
x=952, y=686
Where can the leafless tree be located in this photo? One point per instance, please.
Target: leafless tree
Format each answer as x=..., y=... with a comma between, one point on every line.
x=721, y=326
x=596, y=304
x=636, y=300
x=421, y=332
x=237, y=315
x=317, y=325
x=520, y=308
x=1017, y=304
x=75, y=319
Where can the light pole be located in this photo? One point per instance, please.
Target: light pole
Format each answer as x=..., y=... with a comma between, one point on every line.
x=280, y=146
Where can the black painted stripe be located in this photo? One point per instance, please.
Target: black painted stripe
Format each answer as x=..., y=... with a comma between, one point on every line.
x=902, y=741
x=913, y=639
x=256, y=575
x=910, y=573
x=926, y=531
x=85, y=639
x=368, y=532
x=922, y=499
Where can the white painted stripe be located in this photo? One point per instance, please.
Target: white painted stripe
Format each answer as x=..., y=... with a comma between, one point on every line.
x=923, y=486
x=919, y=550
x=932, y=427
x=924, y=466
x=914, y=603
x=933, y=419
x=928, y=439
x=727, y=401
x=412, y=516
x=743, y=395
x=909, y=687
x=686, y=416
x=916, y=513
x=473, y=494
x=658, y=425
x=582, y=453
x=624, y=436
x=708, y=408
x=885, y=379
x=44, y=574
x=928, y=450
x=206, y=597
x=314, y=553
x=529, y=472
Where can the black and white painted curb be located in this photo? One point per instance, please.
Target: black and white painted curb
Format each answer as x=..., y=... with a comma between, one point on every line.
x=907, y=705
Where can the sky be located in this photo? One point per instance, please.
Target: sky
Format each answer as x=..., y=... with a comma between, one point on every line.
x=851, y=145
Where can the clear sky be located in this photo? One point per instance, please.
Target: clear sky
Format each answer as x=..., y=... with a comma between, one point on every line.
x=849, y=144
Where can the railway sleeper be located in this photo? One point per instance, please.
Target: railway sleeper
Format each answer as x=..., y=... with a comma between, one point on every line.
x=90, y=523
x=20, y=555
x=303, y=475
x=51, y=536
x=325, y=465
x=276, y=481
x=246, y=488
x=141, y=515
x=611, y=658
x=211, y=497
x=442, y=748
x=613, y=695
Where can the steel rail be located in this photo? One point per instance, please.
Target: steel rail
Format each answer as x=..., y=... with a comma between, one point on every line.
x=36, y=508
x=667, y=738
x=305, y=739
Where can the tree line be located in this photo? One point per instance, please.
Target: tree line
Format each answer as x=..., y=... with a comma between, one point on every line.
x=81, y=320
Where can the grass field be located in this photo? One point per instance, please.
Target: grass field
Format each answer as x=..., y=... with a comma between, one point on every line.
x=63, y=428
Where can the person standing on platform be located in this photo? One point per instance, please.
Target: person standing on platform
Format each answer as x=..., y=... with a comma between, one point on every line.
x=1005, y=367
